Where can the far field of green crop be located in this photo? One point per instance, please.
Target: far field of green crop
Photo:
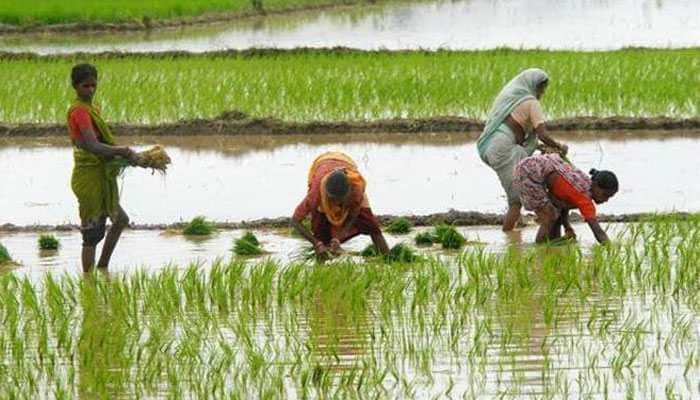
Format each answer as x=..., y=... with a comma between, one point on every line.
x=312, y=85
x=46, y=12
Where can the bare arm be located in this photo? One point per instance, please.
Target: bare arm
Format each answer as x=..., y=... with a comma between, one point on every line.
x=89, y=143
x=542, y=134
x=598, y=231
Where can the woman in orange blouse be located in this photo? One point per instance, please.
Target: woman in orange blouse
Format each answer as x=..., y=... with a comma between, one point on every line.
x=551, y=187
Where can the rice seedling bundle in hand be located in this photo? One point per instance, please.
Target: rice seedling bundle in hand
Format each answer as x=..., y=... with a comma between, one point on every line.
x=4, y=255
x=155, y=158
x=48, y=242
x=199, y=226
x=399, y=226
x=247, y=245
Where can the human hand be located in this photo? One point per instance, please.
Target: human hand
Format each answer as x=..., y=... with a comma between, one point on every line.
x=564, y=149
x=320, y=249
x=335, y=247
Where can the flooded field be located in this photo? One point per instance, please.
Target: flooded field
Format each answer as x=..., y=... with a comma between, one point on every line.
x=534, y=322
x=252, y=177
x=475, y=24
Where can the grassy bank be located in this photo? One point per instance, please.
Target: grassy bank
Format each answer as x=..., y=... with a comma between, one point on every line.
x=50, y=12
x=617, y=321
x=307, y=85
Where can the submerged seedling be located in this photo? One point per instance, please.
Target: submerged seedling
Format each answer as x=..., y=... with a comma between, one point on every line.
x=401, y=253
x=199, y=226
x=48, y=242
x=425, y=239
x=247, y=245
x=4, y=255
x=448, y=236
x=399, y=226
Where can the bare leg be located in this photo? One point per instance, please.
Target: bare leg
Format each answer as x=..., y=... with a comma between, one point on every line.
x=510, y=220
x=88, y=258
x=380, y=242
x=118, y=225
x=547, y=217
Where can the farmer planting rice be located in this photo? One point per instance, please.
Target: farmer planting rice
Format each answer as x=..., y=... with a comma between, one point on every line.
x=94, y=179
x=550, y=187
x=515, y=123
x=338, y=205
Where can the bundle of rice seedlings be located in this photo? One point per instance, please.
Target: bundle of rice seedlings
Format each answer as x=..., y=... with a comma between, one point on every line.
x=425, y=239
x=48, y=242
x=155, y=158
x=399, y=226
x=401, y=253
x=4, y=255
x=247, y=245
x=370, y=251
x=450, y=237
x=199, y=226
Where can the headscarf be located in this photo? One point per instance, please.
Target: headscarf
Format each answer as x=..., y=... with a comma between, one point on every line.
x=522, y=87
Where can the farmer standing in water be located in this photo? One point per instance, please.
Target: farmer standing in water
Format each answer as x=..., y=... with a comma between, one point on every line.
x=338, y=206
x=94, y=179
x=550, y=187
x=515, y=123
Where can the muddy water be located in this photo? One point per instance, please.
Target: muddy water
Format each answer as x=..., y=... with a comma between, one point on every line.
x=153, y=250
x=237, y=179
x=476, y=24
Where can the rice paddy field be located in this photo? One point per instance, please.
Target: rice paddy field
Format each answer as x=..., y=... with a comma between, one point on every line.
x=48, y=12
x=198, y=311
x=605, y=322
x=329, y=85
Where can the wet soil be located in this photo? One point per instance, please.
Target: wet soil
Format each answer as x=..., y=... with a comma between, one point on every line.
x=452, y=217
x=238, y=123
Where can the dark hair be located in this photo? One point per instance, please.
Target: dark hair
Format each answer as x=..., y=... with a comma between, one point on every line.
x=605, y=180
x=337, y=185
x=82, y=72
x=544, y=83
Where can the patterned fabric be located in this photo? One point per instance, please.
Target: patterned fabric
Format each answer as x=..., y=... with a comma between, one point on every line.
x=531, y=179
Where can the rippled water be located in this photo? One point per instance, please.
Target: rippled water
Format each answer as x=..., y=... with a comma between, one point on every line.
x=244, y=178
x=470, y=24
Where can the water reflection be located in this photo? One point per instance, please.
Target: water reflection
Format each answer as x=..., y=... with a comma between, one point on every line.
x=244, y=178
x=468, y=24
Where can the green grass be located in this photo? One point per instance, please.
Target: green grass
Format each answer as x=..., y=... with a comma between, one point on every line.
x=325, y=85
x=48, y=242
x=399, y=226
x=4, y=254
x=425, y=239
x=617, y=321
x=247, y=245
x=47, y=12
x=199, y=226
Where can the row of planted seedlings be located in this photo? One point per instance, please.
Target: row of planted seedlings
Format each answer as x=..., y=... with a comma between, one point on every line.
x=334, y=85
x=548, y=321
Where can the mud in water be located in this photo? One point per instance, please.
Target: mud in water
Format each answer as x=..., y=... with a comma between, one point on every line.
x=236, y=179
x=237, y=123
x=461, y=24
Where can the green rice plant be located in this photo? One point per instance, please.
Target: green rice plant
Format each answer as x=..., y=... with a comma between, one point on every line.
x=448, y=236
x=370, y=251
x=247, y=245
x=425, y=239
x=399, y=226
x=4, y=255
x=330, y=85
x=199, y=226
x=47, y=12
x=401, y=253
x=48, y=242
